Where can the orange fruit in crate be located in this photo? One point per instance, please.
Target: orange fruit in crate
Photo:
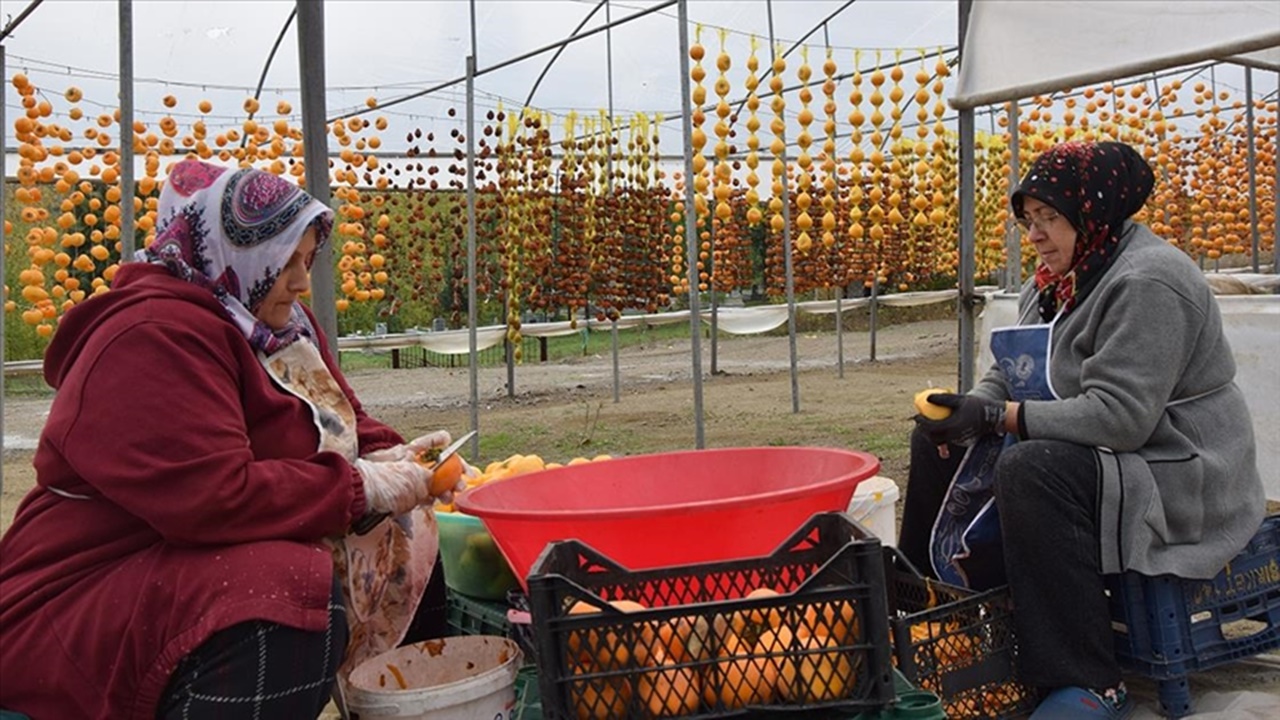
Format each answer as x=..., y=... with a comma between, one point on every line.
x=760, y=619
x=600, y=698
x=773, y=643
x=599, y=649
x=673, y=640
x=948, y=644
x=670, y=690
x=836, y=620
x=740, y=677
x=824, y=676
x=576, y=638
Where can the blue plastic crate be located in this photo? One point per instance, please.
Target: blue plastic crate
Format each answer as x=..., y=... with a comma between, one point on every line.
x=1166, y=627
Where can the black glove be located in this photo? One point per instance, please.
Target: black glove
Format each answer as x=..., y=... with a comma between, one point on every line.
x=971, y=418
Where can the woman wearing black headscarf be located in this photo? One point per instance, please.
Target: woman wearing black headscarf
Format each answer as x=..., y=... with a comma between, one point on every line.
x=1109, y=436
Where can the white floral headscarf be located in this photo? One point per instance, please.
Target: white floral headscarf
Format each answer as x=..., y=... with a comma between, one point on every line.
x=231, y=231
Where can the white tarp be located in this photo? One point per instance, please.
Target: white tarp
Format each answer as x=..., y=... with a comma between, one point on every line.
x=1268, y=59
x=735, y=320
x=1253, y=329
x=1016, y=49
x=1252, y=324
x=906, y=299
x=749, y=321
x=446, y=342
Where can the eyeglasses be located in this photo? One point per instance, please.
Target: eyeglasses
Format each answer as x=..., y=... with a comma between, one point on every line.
x=1043, y=222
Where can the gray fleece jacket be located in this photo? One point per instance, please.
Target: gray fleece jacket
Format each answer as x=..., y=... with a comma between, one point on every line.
x=1147, y=378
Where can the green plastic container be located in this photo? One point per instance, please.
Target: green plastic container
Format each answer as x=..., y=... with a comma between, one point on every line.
x=912, y=704
x=528, y=701
x=472, y=616
x=473, y=565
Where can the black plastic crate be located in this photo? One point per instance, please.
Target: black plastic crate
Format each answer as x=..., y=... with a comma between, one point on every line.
x=957, y=643
x=910, y=704
x=1166, y=626
x=815, y=638
x=522, y=623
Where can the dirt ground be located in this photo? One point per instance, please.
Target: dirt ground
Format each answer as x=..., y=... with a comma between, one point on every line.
x=567, y=409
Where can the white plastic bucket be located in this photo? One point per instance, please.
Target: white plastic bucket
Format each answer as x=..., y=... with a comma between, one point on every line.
x=874, y=504
x=456, y=678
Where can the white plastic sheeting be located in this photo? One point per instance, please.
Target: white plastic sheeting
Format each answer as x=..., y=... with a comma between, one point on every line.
x=1252, y=324
x=1018, y=49
x=737, y=321
x=1253, y=329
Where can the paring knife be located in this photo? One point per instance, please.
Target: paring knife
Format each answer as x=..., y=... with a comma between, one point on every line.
x=371, y=520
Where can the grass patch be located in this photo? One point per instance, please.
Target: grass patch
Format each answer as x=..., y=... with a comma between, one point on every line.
x=885, y=445
x=27, y=386
x=561, y=443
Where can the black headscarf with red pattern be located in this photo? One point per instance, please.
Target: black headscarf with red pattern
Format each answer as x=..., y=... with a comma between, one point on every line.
x=1096, y=187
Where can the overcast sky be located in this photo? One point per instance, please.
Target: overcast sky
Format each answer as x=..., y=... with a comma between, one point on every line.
x=217, y=49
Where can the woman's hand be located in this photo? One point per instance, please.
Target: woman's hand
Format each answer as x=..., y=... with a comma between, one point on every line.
x=971, y=418
x=468, y=471
x=437, y=439
x=394, y=487
x=409, y=451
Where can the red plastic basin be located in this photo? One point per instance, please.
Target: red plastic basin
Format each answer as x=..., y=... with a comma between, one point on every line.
x=676, y=508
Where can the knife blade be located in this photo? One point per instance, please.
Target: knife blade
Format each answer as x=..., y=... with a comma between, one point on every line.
x=371, y=520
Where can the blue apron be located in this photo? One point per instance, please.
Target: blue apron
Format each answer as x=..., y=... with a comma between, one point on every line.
x=965, y=547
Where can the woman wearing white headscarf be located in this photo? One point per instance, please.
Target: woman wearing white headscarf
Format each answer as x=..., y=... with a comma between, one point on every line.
x=200, y=469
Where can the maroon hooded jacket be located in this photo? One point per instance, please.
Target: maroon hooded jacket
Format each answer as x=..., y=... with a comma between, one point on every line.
x=206, y=503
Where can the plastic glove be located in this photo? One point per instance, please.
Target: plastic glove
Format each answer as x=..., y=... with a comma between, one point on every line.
x=469, y=471
x=393, y=488
x=395, y=453
x=409, y=451
x=971, y=418
x=437, y=439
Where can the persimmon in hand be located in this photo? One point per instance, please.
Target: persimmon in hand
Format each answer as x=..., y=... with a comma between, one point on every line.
x=444, y=475
x=928, y=409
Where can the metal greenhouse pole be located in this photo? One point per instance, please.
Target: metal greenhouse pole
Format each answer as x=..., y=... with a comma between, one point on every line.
x=1013, y=238
x=608, y=64
x=3, y=191
x=473, y=312
x=690, y=223
x=715, y=303
x=315, y=145
x=1253, y=170
x=128, y=239
x=967, y=218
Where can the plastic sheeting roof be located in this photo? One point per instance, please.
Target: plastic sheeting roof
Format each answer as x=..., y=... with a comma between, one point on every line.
x=1015, y=49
